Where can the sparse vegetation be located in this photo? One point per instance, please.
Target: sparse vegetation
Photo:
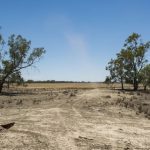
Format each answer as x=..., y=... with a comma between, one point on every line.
x=16, y=57
x=145, y=76
x=129, y=62
x=86, y=114
x=68, y=101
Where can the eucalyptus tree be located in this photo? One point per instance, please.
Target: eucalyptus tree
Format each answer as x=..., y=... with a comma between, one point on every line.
x=15, y=55
x=116, y=69
x=130, y=61
x=134, y=57
x=15, y=77
x=145, y=76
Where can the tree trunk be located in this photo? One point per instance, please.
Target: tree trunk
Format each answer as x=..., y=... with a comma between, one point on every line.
x=1, y=86
x=135, y=84
x=8, y=84
x=3, y=81
x=122, y=87
x=135, y=79
x=145, y=87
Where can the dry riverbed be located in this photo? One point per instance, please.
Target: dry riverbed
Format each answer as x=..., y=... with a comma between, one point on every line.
x=76, y=120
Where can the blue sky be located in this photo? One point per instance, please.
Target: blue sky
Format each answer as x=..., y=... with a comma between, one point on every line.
x=80, y=36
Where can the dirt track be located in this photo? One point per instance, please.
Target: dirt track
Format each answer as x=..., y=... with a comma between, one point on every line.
x=86, y=120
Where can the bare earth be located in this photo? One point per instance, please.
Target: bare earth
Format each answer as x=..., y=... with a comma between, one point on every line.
x=76, y=120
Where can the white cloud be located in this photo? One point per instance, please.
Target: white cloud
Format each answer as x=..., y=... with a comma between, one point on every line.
x=57, y=23
x=80, y=47
x=77, y=44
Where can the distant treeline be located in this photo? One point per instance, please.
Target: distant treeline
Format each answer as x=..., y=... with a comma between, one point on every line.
x=54, y=81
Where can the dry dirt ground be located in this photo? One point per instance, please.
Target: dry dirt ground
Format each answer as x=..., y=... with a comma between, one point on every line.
x=76, y=120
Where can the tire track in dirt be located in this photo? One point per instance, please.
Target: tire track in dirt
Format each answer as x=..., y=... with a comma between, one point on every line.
x=64, y=138
x=108, y=128
x=80, y=129
x=76, y=123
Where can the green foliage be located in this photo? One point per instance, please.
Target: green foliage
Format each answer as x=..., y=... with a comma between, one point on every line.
x=30, y=81
x=116, y=69
x=17, y=57
x=107, y=80
x=145, y=76
x=16, y=78
x=130, y=61
x=134, y=57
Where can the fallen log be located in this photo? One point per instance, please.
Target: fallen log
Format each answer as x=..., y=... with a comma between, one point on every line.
x=7, y=126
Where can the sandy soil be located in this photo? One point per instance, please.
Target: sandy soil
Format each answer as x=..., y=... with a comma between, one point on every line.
x=76, y=120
